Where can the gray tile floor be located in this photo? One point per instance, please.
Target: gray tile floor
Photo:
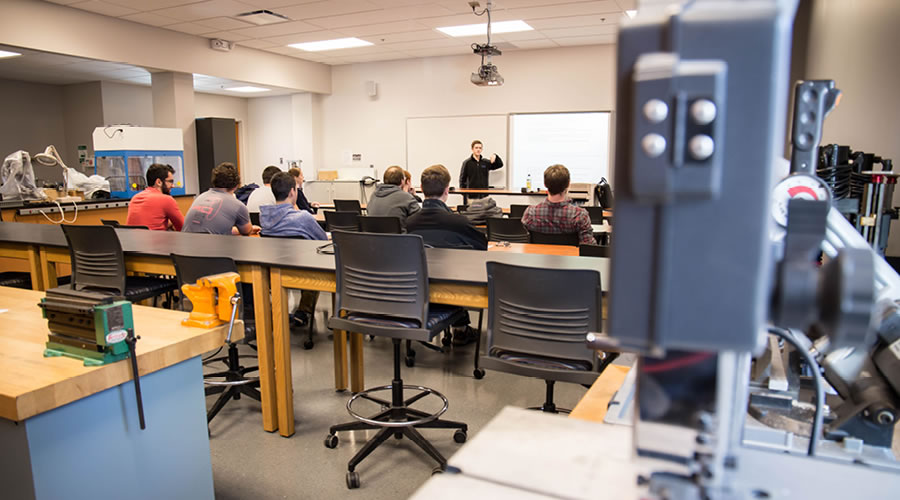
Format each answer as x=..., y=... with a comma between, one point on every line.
x=251, y=463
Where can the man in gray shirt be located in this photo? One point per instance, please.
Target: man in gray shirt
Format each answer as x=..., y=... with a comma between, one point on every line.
x=392, y=198
x=217, y=211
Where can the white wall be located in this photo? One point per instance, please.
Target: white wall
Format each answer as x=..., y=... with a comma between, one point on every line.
x=32, y=119
x=856, y=44
x=125, y=104
x=564, y=79
x=269, y=136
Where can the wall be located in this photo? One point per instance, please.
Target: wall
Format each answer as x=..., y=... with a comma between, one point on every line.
x=564, y=79
x=125, y=104
x=855, y=44
x=82, y=113
x=33, y=119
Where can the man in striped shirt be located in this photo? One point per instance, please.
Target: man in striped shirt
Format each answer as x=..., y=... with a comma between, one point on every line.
x=557, y=214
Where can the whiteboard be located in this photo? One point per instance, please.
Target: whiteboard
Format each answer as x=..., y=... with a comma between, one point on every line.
x=447, y=140
x=580, y=141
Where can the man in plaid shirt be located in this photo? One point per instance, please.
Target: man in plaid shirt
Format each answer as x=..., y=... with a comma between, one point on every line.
x=557, y=214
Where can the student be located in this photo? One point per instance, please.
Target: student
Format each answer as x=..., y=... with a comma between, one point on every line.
x=475, y=169
x=557, y=214
x=217, y=211
x=392, y=198
x=282, y=218
x=154, y=207
x=263, y=196
x=302, y=202
x=409, y=187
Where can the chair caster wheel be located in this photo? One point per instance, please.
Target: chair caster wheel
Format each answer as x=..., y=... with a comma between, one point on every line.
x=410, y=353
x=331, y=441
x=398, y=436
x=446, y=340
x=437, y=470
x=478, y=373
x=352, y=480
x=459, y=436
x=308, y=345
x=410, y=361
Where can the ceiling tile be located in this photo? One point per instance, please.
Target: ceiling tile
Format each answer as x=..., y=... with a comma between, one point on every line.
x=204, y=10
x=585, y=40
x=231, y=36
x=381, y=16
x=64, y=2
x=224, y=23
x=410, y=36
x=627, y=4
x=288, y=28
x=150, y=18
x=391, y=56
x=124, y=73
x=462, y=19
x=566, y=9
x=107, y=9
x=146, y=5
x=535, y=44
x=309, y=36
x=327, y=8
x=189, y=28
x=521, y=35
x=574, y=21
x=383, y=28
x=257, y=44
x=519, y=4
x=455, y=6
x=273, y=4
x=428, y=44
x=582, y=31
x=446, y=51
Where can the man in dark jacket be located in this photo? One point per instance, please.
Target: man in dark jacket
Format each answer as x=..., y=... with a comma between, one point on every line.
x=475, y=169
x=391, y=198
x=440, y=227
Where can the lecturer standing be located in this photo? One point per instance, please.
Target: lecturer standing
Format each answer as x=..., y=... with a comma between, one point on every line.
x=474, y=171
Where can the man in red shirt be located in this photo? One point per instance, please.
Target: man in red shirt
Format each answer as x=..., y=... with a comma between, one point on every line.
x=153, y=207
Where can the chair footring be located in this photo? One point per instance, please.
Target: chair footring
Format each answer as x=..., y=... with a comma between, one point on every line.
x=398, y=416
x=550, y=409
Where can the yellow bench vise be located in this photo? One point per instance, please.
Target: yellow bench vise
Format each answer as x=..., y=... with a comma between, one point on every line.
x=215, y=300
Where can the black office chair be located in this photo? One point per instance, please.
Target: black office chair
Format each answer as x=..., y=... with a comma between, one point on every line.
x=348, y=206
x=341, y=221
x=596, y=214
x=110, y=222
x=309, y=343
x=555, y=238
x=388, y=296
x=594, y=251
x=232, y=382
x=254, y=218
x=537, y=322
x=116, y=224
x=512, y=230
x=461, y=209
x=16, y=279
x=98, y=264
x=386, y=224
x=517, y=211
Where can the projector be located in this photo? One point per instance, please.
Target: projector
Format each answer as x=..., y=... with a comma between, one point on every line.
x=487, y=76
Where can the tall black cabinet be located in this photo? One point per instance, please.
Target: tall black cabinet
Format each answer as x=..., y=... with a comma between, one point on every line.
x=216, y=143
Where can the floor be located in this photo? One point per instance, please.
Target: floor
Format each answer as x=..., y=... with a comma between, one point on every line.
x=251, y=463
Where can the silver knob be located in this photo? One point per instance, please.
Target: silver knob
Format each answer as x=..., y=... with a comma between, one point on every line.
x=654, y=145
x=703, y=111
x=701, y=147
x=655, y=110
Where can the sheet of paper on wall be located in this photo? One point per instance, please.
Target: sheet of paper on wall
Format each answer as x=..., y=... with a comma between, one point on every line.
x=347, y=157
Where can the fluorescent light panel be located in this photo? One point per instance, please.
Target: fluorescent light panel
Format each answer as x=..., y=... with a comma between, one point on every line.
x=631, y=13
x=481, y=29
x=339, y=43
x=247, y=89
x=6, y=53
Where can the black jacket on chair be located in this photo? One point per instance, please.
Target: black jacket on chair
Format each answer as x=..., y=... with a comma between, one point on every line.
x=441, y=228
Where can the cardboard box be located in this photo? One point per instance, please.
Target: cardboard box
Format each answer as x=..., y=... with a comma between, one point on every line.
x=327, y=175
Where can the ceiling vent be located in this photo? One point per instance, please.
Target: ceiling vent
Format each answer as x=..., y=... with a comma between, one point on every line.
x=261, y=17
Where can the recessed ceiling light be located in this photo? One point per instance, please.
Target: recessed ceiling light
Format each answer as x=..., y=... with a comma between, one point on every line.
x=340, y=43
x=247, y=89
x=481, y=29
x=262, y=17
x=631, y=13
x=6, y=53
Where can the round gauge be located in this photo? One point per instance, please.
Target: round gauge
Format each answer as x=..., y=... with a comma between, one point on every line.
x=801, y=186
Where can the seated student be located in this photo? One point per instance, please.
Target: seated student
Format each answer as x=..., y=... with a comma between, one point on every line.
x=154, y=207
x=557, y=214
x=409, y=187
x=440, y=227
x=282, y=219
x=480, y=209
x=392, y=197
x=263, y=196
x=302, y=202
x=217, y=211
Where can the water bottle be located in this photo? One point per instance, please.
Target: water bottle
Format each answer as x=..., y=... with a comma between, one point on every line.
x=528, y=183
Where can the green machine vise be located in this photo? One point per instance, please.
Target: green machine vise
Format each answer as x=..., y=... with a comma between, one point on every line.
x=89, y=326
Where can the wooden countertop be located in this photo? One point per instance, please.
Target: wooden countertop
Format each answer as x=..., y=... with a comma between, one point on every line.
x=31, y=384
x=593, y=405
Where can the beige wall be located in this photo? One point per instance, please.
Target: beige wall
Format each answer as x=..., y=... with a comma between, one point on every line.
x=125, y=104
x=856, y=44
x=564, y=79
x=32, y=119
x=82, y=113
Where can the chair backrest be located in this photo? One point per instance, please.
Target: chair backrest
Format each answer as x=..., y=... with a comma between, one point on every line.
x=460, y=209
x=382, y=274
x=341, y=221
x=188, y=269
x=254, y=218
x=593, y=251
x=512, y=230
x=287, y=236
x=122, y=226
x=386, y=224
x=555, y=238
x=98, y=262
x=517, y=211
x=348, y=206
x=542, y=312
x=110, y=222
x=596, y=214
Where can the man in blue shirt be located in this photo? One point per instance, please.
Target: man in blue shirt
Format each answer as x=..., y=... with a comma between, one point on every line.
x=282, y=219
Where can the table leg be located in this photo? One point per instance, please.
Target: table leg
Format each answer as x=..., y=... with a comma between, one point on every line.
x=357, y=374
x=340, y=353
x=284, y=384
x=48, y=270
x=34, y=268
x=262, y=307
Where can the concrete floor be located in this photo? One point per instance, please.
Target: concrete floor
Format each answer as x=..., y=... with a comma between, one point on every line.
x=251, y=463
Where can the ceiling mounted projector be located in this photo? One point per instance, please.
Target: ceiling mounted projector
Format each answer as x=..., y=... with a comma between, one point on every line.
x=487, y=75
